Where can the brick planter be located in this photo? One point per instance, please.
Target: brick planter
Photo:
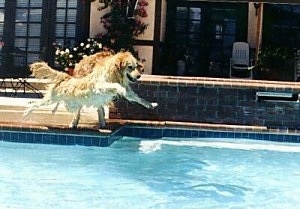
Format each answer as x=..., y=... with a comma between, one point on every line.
x=213, y=100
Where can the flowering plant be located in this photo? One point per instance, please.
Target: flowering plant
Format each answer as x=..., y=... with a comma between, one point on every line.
x=122, y=23
x=68, y=57
x=1, y=44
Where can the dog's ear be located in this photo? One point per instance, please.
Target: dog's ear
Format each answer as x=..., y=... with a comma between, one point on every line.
x=123, y=64
x=120, y=62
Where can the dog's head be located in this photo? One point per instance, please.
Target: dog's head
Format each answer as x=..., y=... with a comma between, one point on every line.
x=130, y=68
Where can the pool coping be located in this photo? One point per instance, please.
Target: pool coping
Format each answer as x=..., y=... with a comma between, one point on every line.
x=90, y=136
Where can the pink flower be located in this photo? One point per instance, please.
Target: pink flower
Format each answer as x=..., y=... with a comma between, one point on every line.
x=141, y=12
x=143, y=3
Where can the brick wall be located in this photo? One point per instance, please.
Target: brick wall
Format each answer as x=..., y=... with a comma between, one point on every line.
x=209, y=100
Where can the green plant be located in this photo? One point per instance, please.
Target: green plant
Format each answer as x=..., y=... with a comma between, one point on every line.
x=122, y=23
x=67, y=57
x=273, y=57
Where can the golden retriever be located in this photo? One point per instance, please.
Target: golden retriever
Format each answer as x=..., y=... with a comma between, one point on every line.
x=109, y=78
x=84, y=68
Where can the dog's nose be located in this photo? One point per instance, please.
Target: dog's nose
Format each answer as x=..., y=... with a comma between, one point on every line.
x=138, y=76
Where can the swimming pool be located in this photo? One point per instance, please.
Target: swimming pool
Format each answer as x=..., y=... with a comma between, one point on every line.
x=163, y=173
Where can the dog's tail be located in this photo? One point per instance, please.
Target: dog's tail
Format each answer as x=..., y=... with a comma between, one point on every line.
x=43, y=70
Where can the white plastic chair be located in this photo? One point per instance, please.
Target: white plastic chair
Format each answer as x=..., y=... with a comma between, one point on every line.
x=240, y=60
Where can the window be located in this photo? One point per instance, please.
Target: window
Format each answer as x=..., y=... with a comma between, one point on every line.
x=27, y=23
x=65, y=21
x=281, y=25
x=30, y=28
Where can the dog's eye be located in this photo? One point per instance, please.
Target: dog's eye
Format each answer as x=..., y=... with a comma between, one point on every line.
x=130, y=67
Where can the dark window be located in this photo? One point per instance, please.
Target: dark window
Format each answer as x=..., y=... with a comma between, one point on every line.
x=28, y=29
x=281, y=25
x=27, y=32
x=65, y=21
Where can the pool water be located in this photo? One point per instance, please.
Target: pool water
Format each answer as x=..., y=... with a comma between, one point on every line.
x=166, y=173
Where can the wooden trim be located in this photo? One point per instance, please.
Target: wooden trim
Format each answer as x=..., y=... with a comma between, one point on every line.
x=143, y=42
x=258, y=31
x=276, y=1
x=83, y=20
x=246, y=1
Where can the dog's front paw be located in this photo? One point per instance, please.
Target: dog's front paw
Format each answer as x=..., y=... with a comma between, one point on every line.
x=102, y=124
x=121, y=91
x=154, y=105
x=151, y=105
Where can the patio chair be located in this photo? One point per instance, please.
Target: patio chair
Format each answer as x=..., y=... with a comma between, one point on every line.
x=240, y=63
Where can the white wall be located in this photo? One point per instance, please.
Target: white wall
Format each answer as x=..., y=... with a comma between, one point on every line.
x=95, y=15
x=146, y=52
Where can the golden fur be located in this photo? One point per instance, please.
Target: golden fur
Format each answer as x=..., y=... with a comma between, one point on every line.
x=84, y=68
x=86, y=65
x=107, y=79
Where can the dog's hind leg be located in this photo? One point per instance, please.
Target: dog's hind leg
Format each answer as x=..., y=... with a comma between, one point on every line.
x=29, y=110
x=55, y=108
x=43, y=102
x=101, y=118
x=76, y=118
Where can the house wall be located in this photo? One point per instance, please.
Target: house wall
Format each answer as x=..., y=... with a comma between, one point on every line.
x=95, y=15
x=146, y=51
x=212, y=100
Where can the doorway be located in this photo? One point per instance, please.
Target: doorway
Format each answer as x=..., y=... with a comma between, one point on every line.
x=203, y=33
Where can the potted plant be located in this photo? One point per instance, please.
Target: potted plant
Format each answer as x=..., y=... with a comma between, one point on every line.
x=273, y=62
x=68, y=57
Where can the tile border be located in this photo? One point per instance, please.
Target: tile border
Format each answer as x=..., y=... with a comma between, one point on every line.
x=156, y=133
x=56, y=138
x=82, y=138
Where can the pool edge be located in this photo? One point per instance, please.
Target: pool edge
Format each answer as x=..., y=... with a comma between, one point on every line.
x=92, y=136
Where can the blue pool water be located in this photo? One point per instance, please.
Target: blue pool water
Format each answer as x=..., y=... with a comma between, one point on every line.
x=166, y=173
